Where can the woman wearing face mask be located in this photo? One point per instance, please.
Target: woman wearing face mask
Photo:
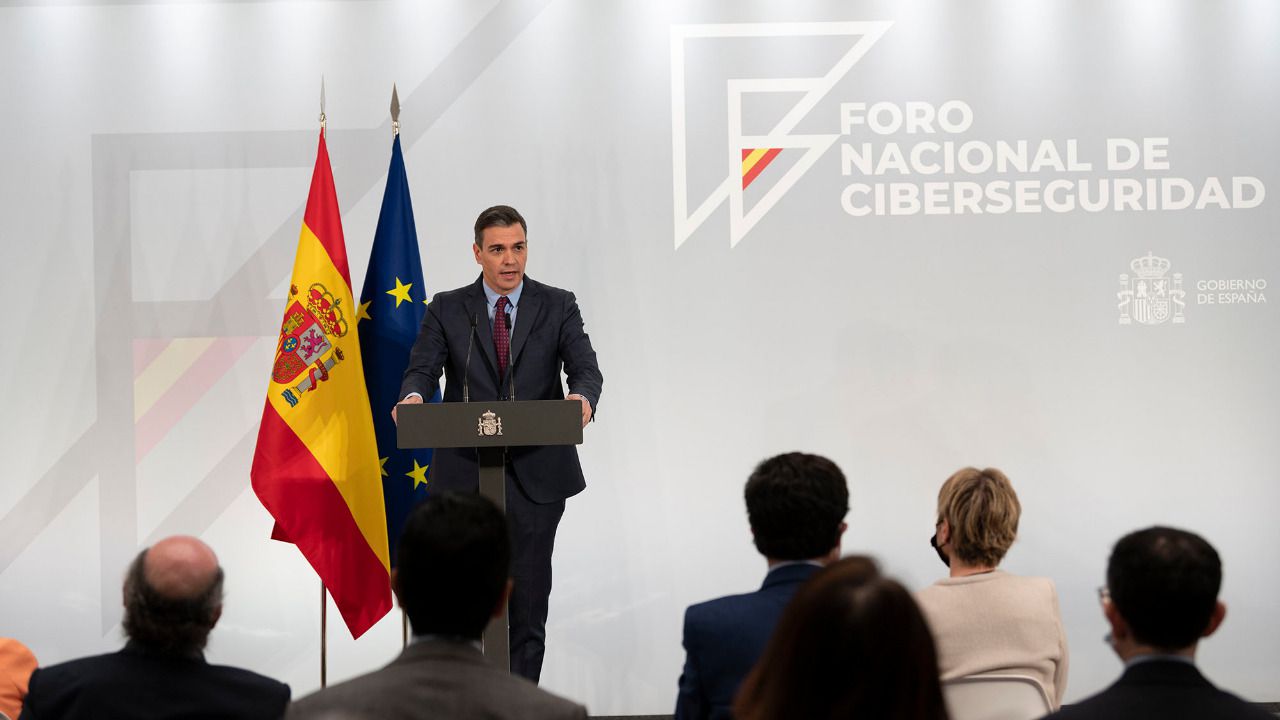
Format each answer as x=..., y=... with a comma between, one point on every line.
x=983, y=619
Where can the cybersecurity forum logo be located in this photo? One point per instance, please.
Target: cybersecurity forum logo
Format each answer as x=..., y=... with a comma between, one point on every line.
x=749, y=151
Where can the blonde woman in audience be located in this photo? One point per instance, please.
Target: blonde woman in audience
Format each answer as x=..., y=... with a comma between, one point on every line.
x=985, y=620
x=851, y=644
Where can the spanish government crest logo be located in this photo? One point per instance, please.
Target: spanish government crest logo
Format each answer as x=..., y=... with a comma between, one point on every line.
x=306, y=350
x=490, y=424
x=1148, y=296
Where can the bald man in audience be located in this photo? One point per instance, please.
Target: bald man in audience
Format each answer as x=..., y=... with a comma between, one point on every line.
x=172, y=599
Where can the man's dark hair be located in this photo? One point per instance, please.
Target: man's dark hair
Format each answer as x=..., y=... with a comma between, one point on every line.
x=177, y=627
x=454, y=558
x=1165, y=582
x=795, y=503
x=498, y=216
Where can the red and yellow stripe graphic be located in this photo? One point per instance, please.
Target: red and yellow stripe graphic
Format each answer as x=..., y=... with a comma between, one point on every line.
x=316, y=465
x=754, y=161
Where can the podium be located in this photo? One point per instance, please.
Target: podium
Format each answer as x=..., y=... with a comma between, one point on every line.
x=490, y=428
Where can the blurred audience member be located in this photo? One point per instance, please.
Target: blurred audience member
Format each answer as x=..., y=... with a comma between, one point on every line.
x=983, y=619
x=453, y=576
x=852, y=644
x=1161, y=598
x=796, y=505
x=16, y=664
x=172, y=599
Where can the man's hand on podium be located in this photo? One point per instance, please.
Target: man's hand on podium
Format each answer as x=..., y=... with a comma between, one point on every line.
x=414, y=399
x=586, y=408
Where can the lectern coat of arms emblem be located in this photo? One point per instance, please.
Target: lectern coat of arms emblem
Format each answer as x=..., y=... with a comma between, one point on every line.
x=490, y=424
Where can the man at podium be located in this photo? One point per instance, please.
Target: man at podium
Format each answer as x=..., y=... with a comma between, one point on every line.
x=506, y=337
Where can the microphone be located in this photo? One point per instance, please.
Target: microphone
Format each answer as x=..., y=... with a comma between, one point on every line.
x=466, y=368
x=511, y=374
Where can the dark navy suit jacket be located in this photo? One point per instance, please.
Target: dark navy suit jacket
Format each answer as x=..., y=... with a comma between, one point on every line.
x=134, y=684
x=724, y=638
x=548, y=336
x=1162, y=690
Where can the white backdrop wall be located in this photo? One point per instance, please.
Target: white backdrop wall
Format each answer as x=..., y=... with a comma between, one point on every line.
x=155, y=163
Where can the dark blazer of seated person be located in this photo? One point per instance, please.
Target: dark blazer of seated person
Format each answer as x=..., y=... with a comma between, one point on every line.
x=1162, y=689
x=796, y=504
x=724, y=637
x=172, y=599
x=136, y=684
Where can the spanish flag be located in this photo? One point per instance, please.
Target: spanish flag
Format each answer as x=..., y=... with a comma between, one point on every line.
x=316, y=466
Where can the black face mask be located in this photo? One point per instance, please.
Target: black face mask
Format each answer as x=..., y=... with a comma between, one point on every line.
x=933, y=542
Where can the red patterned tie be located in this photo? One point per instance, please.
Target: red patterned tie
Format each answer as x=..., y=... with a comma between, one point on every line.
x=501, y=336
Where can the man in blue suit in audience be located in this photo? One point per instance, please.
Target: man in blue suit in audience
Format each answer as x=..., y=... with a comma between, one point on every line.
x=1161, y=598
x=796, y=505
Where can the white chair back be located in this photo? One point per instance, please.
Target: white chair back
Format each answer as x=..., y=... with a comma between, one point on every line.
x=996, y=697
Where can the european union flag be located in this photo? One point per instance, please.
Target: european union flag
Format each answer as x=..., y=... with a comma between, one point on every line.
x=391, y=307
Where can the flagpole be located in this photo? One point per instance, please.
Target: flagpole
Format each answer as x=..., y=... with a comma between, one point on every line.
x=395, y=132
x=324, y=605
x=395, y=111
x=324, y=638
x=322, y=106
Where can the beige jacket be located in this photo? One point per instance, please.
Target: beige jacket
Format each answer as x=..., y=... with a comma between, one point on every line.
x=998, y=623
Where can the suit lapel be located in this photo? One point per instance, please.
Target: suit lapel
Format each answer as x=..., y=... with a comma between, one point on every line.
x=478, y=307
x=527, y=317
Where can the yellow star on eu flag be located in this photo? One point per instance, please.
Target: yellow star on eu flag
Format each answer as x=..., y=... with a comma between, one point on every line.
x=382, y=465
x=418, y=473
x=363, y=314
x=400, y=292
